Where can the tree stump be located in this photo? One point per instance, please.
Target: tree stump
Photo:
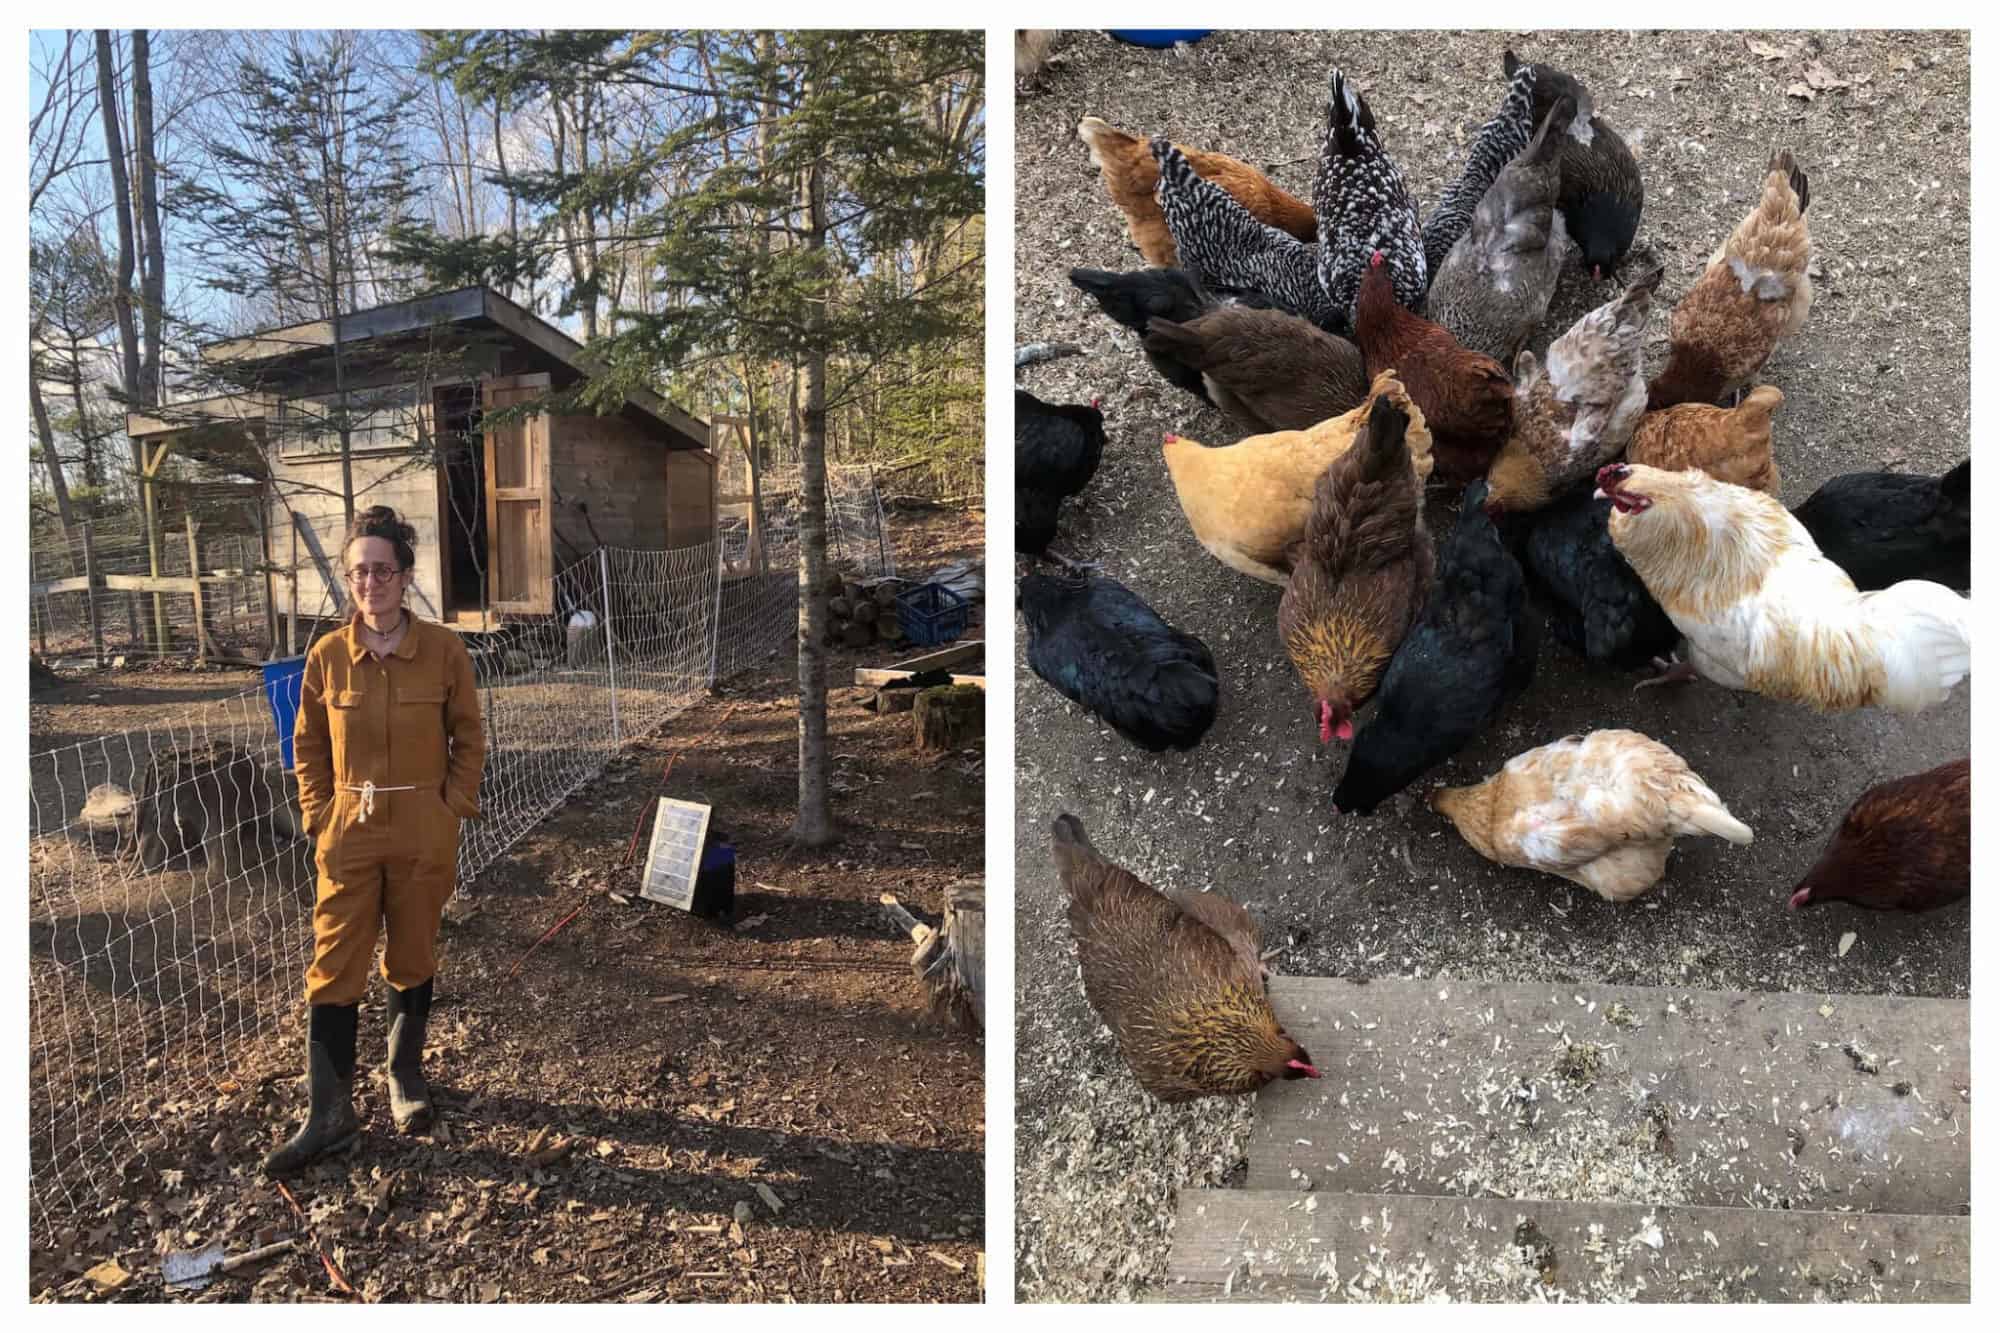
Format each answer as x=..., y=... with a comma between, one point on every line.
x=947, y=716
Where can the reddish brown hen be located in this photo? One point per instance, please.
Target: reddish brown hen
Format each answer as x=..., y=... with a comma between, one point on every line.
x=1466, y=396
x=1179, y=986
x=1359, y=574
x=1905, y=844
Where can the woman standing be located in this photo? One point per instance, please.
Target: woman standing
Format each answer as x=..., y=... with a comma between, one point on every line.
x=389, y=750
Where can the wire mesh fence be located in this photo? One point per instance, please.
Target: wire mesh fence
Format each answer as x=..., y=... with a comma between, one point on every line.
x=170, y=891
x=87, y=588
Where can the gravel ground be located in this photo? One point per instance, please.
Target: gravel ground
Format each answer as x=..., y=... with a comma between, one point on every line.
x=1879, y=378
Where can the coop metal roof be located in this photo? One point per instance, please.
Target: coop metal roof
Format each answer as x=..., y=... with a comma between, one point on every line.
x=465, y=306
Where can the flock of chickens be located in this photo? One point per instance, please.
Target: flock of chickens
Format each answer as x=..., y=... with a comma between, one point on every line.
x=1373, y=352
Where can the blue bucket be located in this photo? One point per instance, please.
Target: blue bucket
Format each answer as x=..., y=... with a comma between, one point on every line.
x=282, y=680
x=1159, y=38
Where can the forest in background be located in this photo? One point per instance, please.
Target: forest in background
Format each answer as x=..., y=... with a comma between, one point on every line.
x=710, y=213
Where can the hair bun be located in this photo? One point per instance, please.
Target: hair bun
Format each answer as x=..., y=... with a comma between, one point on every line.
x=382, y=521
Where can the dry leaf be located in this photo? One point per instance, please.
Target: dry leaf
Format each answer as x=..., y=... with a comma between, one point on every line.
x=109, y=1275
x=1846, y=943
x=1905, y=66
x=1763, y=50
x=1799, y=90
x=675, y=998
x=1824, y=79
x=770, y=1198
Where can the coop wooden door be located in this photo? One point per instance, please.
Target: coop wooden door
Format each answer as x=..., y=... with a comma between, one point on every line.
x=519, y=560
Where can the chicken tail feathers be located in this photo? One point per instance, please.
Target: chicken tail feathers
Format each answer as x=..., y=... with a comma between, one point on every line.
x=1073, y=850
x=1782, y=160
x=1716, y=819
x=1957, y=484
x=1347, y=117
x=1099, y=135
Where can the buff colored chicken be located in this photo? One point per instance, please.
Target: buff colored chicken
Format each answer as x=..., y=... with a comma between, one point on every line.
x=1760, y=609
x=1601, y=810
x=1729, y=444
x=1755, y=293
x=1577, y=412
x=1131, y=176
x=1247, y=502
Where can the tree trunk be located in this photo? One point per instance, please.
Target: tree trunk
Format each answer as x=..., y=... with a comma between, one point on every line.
x=815, y=822
x=47, y=435
x=153, y=283
x=121, y=194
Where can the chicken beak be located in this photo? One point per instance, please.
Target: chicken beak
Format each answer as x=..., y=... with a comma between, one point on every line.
x=1345, y=731
x=1801, y=896
x=1304, y=1068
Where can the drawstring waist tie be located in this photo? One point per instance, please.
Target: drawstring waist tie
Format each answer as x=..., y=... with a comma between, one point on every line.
x=368, y=790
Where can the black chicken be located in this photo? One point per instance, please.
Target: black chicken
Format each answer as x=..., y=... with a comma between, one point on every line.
x=1598, y=606
x=1134, y=298
x=1602, y=191
x=1884, y=527
x=1471, y=650
x=1096, y=643
x=1056, y=451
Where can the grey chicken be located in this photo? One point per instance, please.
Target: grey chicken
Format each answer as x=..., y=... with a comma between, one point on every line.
x=1499, y=141
x=1493, y=289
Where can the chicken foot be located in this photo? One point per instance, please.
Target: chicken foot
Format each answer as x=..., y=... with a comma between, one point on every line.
x=1672, y=671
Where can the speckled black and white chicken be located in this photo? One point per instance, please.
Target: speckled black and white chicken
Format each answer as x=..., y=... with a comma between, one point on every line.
x=1493, y=290
x=1499, y=141
x=1228, y=250
x=1364, y=205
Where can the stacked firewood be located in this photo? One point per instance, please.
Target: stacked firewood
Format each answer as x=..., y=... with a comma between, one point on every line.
x=861, y=616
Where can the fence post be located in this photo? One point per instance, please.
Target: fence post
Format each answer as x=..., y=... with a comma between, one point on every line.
x=715, y=610
x=201, y=643
x=610, y=652
x=90, y=594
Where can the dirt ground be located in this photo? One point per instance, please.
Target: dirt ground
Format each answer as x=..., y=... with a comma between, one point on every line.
x=617, y=1102
x=1879, y=378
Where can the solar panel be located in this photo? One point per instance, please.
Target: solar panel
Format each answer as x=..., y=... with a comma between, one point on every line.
x=673, y=862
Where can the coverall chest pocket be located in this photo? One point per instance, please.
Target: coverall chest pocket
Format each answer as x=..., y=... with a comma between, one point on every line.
x=419, y=714
x=347, y=714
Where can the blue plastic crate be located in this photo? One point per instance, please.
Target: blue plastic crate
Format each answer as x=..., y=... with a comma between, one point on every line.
x=1159, y=38
x=932, y=614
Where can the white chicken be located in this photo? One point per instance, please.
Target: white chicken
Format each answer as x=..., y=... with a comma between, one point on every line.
x=1760, y=609
x=1601, y=810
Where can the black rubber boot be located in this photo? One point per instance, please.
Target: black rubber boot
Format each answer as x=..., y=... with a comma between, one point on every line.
x=409, y=1094
x=331, y=1125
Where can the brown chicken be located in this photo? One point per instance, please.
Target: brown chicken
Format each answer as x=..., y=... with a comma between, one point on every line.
x=1575, y=411
x=1466, y=397
x=1181, y=987
x=1601, y=810
x=1131, y=175
x=1268, y=369
x=1732, y=445
x=1360, y=573
x=1904, y=844
x=1754, y=293
x=1247, y=502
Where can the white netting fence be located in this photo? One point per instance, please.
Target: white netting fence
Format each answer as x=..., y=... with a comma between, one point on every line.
x=170, y=895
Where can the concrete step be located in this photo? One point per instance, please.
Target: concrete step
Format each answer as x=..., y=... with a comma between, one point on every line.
x=1280, y=1245
x=1621, y=1092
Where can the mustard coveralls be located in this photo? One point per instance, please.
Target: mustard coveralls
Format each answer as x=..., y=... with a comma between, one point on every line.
x=369, y=728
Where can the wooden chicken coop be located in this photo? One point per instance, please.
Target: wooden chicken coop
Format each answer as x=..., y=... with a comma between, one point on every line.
x=431, y=392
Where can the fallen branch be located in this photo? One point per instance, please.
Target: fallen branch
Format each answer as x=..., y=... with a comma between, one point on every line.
x=1033, y=354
